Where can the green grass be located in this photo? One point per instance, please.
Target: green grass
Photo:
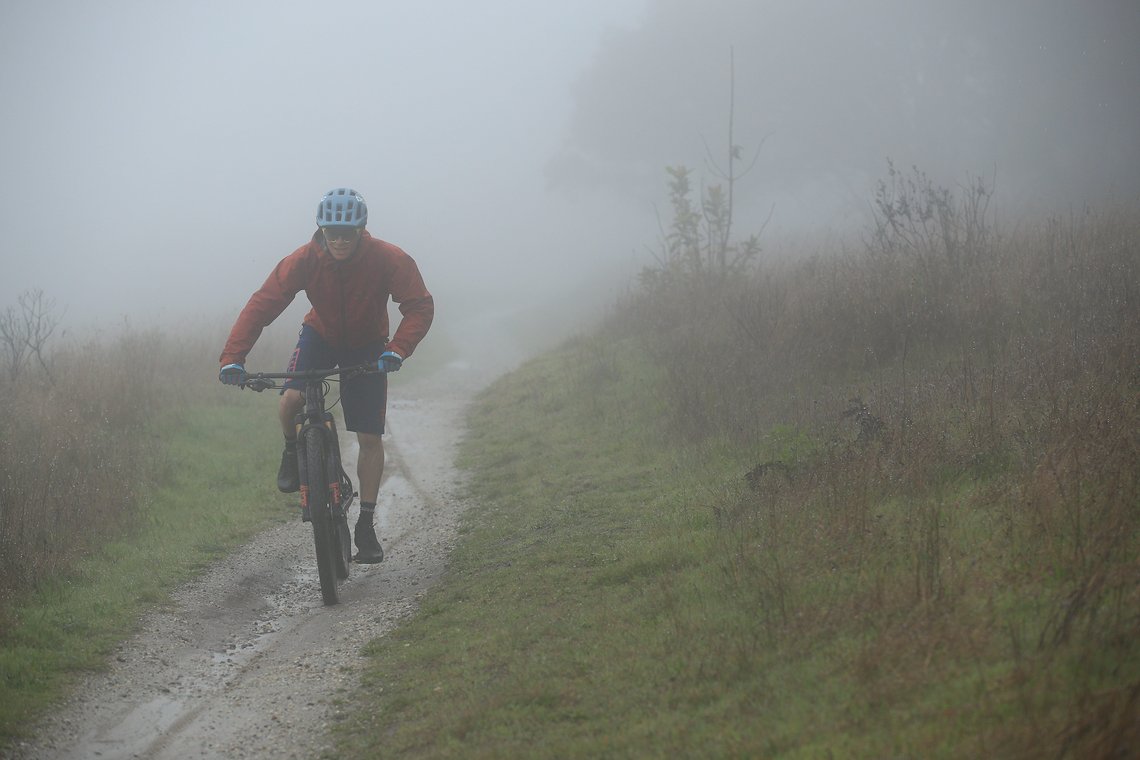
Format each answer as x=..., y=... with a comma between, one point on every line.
x=211, y=469
x=619, y=593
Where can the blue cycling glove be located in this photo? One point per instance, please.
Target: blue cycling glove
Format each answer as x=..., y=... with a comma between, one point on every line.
x=232, y=374
x=390, y=361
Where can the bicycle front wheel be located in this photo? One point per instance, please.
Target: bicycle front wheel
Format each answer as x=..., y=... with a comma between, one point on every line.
x=325, y=539
x=340, y=500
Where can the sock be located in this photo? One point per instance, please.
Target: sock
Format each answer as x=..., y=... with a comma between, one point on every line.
x=291, y=445
x=367, y=510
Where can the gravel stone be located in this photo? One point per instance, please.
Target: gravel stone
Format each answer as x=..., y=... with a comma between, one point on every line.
x=247, y=662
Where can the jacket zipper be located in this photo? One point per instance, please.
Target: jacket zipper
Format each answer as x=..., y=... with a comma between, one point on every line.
x=343, y=308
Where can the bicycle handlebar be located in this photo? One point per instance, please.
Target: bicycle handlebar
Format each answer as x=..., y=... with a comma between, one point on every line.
x=260, y=381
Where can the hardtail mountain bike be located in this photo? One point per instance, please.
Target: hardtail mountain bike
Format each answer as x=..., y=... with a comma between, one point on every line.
x=326, y=490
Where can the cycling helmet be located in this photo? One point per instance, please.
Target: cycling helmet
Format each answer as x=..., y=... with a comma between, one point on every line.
x=342, y=207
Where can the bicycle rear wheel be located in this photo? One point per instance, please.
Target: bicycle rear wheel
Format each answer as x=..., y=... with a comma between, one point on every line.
x=325, y=538
x=343, y=548
x=341, y=500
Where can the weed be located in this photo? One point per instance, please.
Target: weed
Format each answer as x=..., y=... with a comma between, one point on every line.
x=878, y=502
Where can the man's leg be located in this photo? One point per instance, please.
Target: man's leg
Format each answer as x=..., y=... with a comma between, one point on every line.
x=291, y=404
x=311, y=351
x=370, y=466
x=369, y=470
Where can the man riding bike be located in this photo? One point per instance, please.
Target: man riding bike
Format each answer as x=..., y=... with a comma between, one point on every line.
x=348, y=277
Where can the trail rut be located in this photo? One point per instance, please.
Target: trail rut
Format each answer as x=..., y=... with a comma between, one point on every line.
x=245, y=661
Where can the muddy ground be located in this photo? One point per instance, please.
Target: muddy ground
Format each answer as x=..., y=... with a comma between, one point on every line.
x=246, y=662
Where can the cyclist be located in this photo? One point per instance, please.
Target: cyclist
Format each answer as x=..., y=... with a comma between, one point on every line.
x=348, y=277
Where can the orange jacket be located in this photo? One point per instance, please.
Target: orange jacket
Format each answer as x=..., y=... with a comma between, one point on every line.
x=349, y=298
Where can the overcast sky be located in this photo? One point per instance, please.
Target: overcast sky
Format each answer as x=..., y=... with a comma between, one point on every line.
x=158, y=158
x=1040, y=97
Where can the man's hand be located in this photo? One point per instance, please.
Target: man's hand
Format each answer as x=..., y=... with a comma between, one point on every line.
x=232, y=374
x=390, y=361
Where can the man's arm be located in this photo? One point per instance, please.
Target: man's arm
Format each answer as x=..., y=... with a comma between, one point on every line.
x=264, y=306
x=417, y=308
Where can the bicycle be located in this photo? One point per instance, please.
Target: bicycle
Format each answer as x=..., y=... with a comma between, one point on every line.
x=326, y=490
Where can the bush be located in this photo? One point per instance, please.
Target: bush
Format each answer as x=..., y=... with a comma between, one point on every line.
x=943, y=418
x=71, y=456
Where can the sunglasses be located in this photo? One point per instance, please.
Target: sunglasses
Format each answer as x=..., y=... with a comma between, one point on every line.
x=340, y=233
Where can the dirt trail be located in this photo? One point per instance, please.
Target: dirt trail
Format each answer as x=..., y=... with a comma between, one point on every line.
x=246, y=662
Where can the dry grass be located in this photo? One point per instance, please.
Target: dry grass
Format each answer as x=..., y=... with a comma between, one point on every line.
x=944, y=423
x=78, y=447
x=875, y=503
x=71, y=454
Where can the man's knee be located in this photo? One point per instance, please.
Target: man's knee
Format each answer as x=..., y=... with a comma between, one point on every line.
x=290, y=405
x=291, y=400
x=370, y=443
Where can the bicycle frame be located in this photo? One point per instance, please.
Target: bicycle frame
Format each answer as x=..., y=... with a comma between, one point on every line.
x=326, y=490
x=317, y=421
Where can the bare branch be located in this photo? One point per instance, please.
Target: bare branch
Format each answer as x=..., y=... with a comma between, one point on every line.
x=13, y=342
x=24, y=332
x=755, y=156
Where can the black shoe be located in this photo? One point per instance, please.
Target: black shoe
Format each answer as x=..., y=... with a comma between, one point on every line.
x=288, y=479
x=368, y=548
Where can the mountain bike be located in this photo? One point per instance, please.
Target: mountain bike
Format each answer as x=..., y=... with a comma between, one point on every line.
x=326, y=490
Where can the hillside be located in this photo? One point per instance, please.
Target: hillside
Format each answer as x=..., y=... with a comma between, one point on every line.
x=871, y=503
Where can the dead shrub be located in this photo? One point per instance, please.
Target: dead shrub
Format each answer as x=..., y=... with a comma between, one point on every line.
x=72, y=456
x=993, y=449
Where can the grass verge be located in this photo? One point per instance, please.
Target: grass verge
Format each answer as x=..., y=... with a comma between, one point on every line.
x=617, y=593
x=210, y=488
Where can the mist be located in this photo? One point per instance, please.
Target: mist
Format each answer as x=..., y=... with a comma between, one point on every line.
x=159, y=159
x=1040, y=98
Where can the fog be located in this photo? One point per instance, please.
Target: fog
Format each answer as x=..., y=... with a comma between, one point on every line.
x=1039, y=97
x=159, y=158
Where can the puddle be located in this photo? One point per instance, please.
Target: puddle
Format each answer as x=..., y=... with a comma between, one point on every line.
x=137, y=729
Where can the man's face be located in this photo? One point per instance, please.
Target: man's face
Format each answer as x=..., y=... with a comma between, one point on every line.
x=341, y=241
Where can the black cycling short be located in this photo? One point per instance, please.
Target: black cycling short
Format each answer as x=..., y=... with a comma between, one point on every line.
x=363, y=398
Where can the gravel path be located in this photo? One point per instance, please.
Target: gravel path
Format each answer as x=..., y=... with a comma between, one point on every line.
x=246, y=662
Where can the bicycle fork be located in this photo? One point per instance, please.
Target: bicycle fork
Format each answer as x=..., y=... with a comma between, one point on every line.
x=339, y=497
